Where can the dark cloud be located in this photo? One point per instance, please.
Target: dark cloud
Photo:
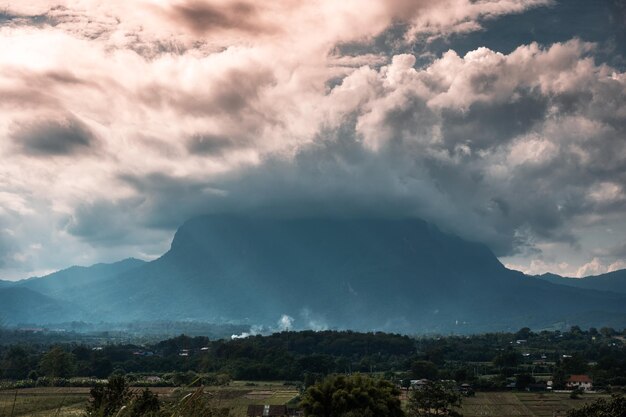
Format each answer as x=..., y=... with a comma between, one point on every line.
x=209, y=144
x=334, y=178
x=170, y=200
x=54, y=138
x=38, y=20
x=486, y=124
x=202, y=17
x=618, y=251
x=232, y=94
x=103, y=222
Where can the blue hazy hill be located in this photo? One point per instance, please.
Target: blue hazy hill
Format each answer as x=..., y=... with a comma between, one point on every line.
x=364, y=274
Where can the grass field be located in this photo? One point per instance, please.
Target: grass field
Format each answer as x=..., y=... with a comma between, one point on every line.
x=43, y=402
x=66, y=402
x=521, y=404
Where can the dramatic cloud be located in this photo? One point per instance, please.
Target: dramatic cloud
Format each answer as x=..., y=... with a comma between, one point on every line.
x=52, y=137
x=120, y=120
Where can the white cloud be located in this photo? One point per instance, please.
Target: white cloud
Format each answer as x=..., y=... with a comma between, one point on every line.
x=171, y=116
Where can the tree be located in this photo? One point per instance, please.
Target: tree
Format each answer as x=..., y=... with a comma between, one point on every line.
x=107, y=400
x=145, y=404
x=577, y=364
x=522, y=381
x=424, y=369
x=101, y=367
x=608, y=332
x=15, y=364
x=357, y=395
x=602, y=407
x=508, y=359
x=434, y=399
x=57, y=363
x=523, y=333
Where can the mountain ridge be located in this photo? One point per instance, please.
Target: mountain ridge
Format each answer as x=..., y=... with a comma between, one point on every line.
x=364, y=274
x=614, y=281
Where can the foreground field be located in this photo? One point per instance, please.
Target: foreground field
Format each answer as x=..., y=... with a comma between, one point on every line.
x=509, y=404
x=66, y=402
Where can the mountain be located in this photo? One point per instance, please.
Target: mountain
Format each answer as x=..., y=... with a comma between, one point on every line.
x=365, y=274
x=22, y=305
x=397, y=275
x=69, y=283
x=613, y=281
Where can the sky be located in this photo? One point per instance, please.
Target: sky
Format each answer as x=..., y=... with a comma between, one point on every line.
x=501, y=121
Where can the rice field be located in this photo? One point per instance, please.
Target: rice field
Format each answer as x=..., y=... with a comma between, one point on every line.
x=521, y=404
x=70, y=402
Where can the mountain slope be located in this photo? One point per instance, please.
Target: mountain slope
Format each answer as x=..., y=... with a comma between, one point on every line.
x=23, y=305
x=68, y=283
x=402, y=275
x=612, y=281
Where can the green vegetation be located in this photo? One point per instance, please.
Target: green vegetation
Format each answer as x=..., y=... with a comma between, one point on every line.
x=279, y=368
x=117, y=399
x=72, y=402
x=352, y=396
x=435, y=399
x=487, y=362
x=602, y=407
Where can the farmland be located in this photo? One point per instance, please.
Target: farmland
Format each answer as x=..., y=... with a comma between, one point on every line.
x=522, y=404
x=65, y=402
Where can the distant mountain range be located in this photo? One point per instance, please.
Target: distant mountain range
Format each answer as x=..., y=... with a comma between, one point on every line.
x=612, y=281
x=364, y=274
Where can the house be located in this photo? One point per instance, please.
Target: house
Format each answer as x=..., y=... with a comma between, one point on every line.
x=418, y=383
x=582, y=382
x=272, y=411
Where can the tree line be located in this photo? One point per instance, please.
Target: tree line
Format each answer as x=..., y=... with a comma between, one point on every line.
x=488, y=361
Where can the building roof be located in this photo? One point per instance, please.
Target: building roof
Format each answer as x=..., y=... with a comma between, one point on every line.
x=580, y=378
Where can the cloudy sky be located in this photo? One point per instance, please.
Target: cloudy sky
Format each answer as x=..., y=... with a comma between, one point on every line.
x=502, y=121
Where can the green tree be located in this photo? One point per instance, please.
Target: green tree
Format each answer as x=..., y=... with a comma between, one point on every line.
x=424, y=369
x=522, y=381
x=145, y=404
x=107, y=400
x=602, y=407
x=435, y=399
x=577, y=364
x=608, y=332
x=344, y=396
x=57, y=363
x=15, y=364
x=523, y=333
x=508, y=359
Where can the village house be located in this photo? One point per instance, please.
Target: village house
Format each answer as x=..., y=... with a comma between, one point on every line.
x=582, y=382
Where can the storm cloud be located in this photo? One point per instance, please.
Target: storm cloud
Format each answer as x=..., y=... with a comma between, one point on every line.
x=53, y=137
x=391, y=109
